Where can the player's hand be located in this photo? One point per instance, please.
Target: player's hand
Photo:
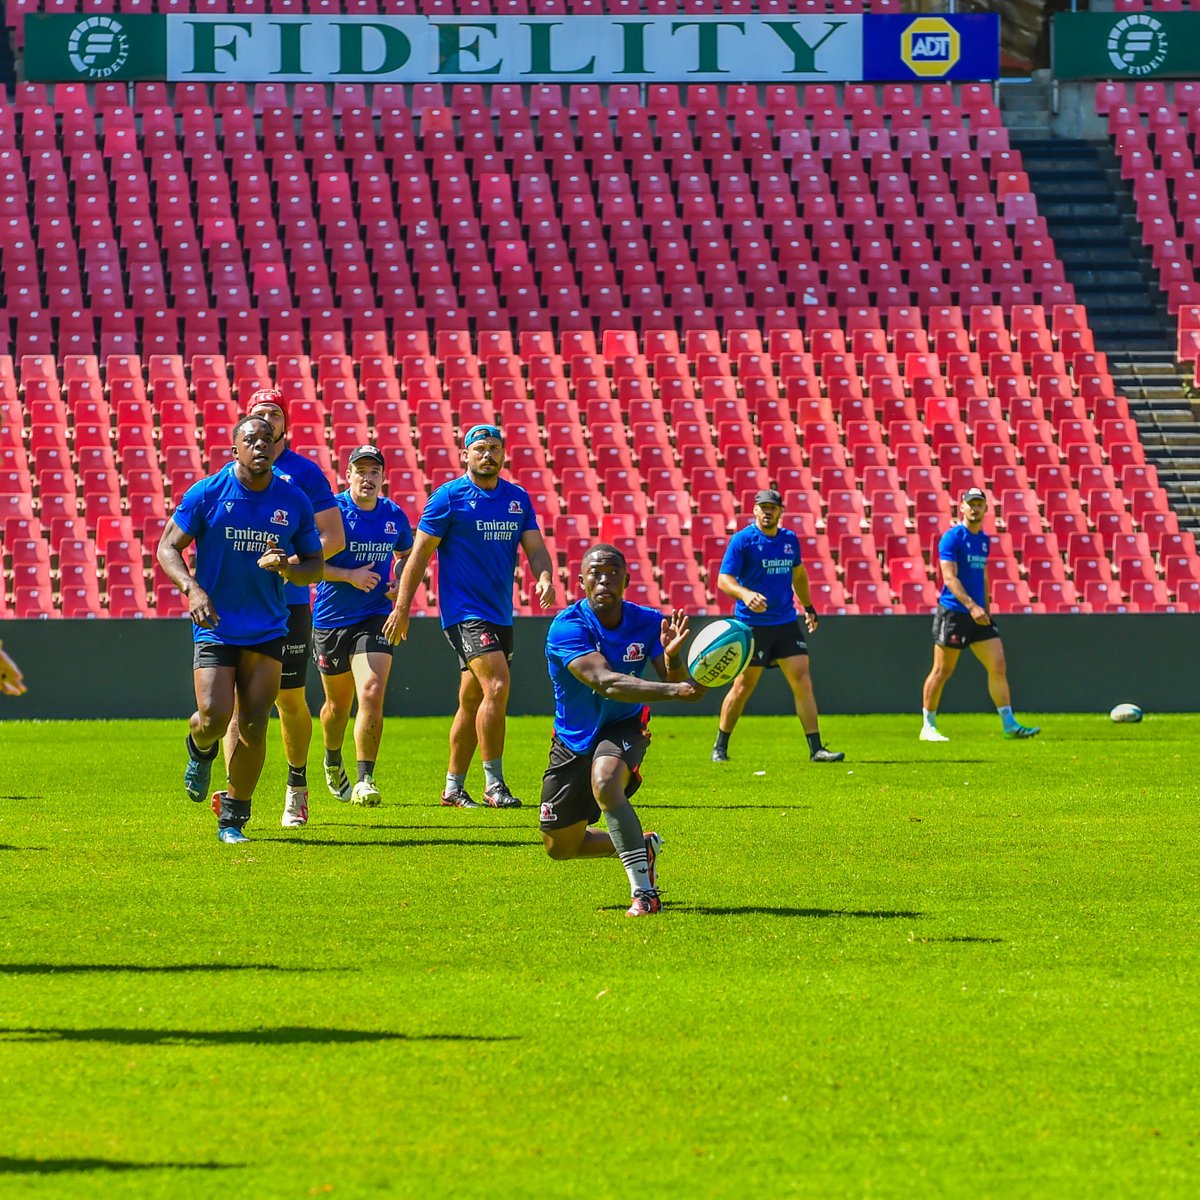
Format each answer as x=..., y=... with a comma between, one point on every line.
x=274, y=560
x=757, y=602
x=689, y=691
x=811, y=621
x=393, y=589
x=12, y=682
x=395, y=628
x=364, y=579
x=545, y=593
x=674, y=633
x=979, y=615
x=200, y=608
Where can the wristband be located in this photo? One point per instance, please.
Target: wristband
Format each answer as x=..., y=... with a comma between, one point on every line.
x=808, y=608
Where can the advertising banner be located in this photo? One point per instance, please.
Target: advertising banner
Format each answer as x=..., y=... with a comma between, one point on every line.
x=1138, y=45
x=483, y=49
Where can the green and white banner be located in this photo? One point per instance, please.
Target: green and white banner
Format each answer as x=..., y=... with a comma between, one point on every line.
x=464, y=49
x=1137, y=45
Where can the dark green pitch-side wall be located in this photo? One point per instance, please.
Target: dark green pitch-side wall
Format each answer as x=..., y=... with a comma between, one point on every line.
x=121, y=669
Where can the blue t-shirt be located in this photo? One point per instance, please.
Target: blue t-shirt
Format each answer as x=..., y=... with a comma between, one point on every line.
x=969, y=552
x=764, y=564
x=232, y=527
x=372, y=537
x=580, y=713
x=303, y=473
x=477, y=557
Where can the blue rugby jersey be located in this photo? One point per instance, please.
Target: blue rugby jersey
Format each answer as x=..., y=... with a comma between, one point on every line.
x=373, y=536
x=969, y=552
x=579, y=712
x=303, y=473
x=477, y=558
x=232, y=526
x=764, y=564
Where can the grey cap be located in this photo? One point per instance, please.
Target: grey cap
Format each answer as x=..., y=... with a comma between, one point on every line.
x=768, y=496
x=974, y=494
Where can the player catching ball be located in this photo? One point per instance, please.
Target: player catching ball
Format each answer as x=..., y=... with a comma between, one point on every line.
x=598, y=650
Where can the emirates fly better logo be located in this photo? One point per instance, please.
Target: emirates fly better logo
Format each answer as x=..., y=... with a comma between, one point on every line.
x=99, y=47
x=1137, y=44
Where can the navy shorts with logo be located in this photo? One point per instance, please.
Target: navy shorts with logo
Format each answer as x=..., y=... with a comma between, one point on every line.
x=773, y=642
x=567, y=784
x=334, y=648
x=956, y=630
x=223, y=654
x=297, y=647
x=472, y=638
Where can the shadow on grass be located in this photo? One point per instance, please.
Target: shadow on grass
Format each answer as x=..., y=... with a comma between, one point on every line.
x=766, y=910
x=57, y=1166
x=286, y=1035
x=401, y=844
x=4, y=846
x=982, y=941
x=728, y=807
x=37, y=968
x=473, y=824
x=921, y=762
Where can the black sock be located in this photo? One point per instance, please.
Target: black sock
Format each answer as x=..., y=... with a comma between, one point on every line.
x=366, y=766
x=814, y=742
x=202, y=755
x=722, y=740
x=297, y=776
x=234, y=813
x=333, y=758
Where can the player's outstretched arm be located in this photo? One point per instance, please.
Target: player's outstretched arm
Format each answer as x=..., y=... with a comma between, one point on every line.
x=536, y=551
x=12, y=682
x=595, y=671
x=171, y=546
x=671, y=664
x=395, y=628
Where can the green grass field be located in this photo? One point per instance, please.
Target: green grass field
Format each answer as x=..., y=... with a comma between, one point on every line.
x=962, y=970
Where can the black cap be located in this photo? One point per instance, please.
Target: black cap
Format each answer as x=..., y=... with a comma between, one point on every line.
x=361, y=452
x=768, y=496
x=974, y=494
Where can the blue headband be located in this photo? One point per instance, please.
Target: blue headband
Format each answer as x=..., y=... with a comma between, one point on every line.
x=482, y=431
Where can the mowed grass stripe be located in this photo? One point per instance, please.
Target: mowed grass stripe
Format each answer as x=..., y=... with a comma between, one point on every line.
x=966, y=969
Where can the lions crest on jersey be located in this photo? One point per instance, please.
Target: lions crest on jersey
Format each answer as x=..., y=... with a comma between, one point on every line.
x=635, y=652
x=514, y=506
x=279, y=517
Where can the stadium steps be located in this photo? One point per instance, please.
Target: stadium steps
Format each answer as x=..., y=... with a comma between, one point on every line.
x=8, y=67
x=1090, y=215
x=1168, y=422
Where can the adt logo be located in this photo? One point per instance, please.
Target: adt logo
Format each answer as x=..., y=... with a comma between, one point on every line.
x=1137, y=45
x=98, y=47
x=930, y=47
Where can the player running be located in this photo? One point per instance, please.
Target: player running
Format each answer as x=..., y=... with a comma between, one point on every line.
x=476, y=524
x=252, y=531
x=762, y=571
x=295, y=720
x=350, y=650
x=962, y=620
x=598, y=650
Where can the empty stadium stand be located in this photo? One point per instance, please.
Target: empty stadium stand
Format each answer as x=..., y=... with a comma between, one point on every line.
x=670, y=297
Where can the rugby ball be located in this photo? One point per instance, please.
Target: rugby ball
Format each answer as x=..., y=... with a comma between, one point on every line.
x=1126, y=714
x=720, y=652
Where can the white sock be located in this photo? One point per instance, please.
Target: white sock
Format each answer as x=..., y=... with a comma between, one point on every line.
x=493, y=773
x=929, y=719
x=454, y=783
